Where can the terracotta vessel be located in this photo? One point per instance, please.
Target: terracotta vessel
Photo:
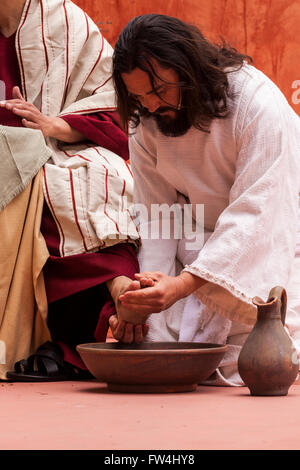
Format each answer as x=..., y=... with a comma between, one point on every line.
x=156, y=367
x=268, y=362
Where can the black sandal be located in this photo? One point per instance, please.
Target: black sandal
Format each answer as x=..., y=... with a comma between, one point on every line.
x=47, y=365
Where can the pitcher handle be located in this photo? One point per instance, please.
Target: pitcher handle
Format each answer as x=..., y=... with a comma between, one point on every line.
x=280, y=293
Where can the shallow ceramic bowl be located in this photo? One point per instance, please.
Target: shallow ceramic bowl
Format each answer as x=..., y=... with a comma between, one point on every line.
x=152, y=367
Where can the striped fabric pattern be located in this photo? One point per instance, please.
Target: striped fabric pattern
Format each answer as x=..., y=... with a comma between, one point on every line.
x=89, y=190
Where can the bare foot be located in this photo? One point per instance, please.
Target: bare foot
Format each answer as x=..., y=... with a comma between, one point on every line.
x=127, y=332
x=129, y=315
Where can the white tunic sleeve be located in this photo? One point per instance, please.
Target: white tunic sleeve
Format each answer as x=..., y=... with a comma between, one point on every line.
x=252, y=247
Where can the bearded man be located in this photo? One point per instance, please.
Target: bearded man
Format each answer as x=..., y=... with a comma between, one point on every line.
x=66, y=261
x=207, y=128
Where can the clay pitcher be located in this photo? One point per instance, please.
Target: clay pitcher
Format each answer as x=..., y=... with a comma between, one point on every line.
x=268, y=362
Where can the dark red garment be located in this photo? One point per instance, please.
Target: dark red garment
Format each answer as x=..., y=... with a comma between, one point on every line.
x=103, y=129
x=71, y=274
x=79, y=303
x=10, y=77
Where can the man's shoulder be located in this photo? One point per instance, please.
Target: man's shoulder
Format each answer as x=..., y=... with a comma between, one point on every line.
x=256, y=98
x=251, y=90
x=245, y=81
x=72, y=13
x=246, y=73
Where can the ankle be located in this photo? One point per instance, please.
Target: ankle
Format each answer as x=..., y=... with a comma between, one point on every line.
x=118, y=286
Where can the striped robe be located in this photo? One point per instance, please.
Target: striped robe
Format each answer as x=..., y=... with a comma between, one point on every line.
x=88, y=188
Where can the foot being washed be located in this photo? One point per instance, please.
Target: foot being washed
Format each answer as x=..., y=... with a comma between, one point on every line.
x=128, y=325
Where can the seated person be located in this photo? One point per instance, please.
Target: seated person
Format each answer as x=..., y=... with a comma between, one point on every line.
x=56, y=67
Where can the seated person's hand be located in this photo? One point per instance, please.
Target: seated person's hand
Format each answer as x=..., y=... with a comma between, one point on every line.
x=30, y=114
x=127, y=332
x=33, y=119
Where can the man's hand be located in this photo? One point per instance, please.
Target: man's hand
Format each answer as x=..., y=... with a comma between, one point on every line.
x=127, y=332
x=31, y=116
x=166, y=291
x=33, y=119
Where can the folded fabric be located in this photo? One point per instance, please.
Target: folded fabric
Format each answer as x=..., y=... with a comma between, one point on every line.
x=23, y=152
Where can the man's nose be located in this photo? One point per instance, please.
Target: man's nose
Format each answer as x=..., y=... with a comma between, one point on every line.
x=152, y=103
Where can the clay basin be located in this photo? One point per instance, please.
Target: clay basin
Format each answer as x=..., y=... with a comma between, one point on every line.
x=151, y=367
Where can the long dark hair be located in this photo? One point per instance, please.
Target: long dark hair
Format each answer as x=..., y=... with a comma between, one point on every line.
x=200, y=64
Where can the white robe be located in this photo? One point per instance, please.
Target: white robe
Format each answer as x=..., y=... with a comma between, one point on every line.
x=246, y=173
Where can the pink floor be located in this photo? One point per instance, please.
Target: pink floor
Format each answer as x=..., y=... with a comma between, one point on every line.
x=85, y=416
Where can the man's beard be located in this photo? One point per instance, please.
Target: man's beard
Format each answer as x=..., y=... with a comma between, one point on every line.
x=171, y=126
